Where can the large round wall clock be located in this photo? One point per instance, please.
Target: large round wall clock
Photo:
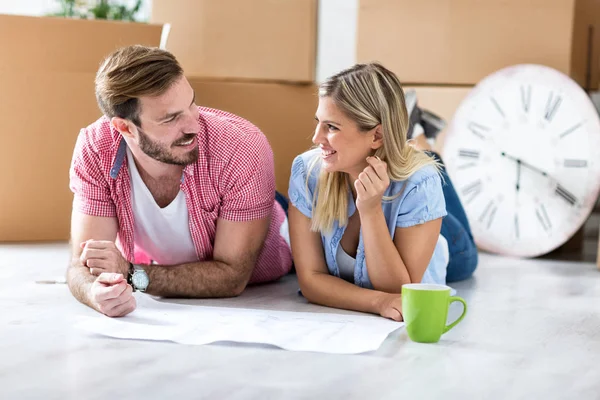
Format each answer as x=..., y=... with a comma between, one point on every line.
x=523, y=152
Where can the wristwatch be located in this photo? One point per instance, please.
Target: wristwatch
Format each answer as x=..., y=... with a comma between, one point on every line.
x=138, y=278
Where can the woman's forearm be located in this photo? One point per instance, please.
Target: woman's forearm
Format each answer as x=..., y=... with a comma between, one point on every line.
x=387, y=271
x=331, y=291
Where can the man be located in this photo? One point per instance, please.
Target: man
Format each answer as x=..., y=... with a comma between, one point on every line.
x=170, y=198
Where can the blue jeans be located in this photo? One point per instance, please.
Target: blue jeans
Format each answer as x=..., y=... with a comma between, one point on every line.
x=456, y=230
x=283, y=201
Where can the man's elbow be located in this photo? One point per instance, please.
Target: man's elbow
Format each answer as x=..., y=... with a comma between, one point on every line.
x=72, y=272
x=234, y=278
x=238, y=284
x=237, y=288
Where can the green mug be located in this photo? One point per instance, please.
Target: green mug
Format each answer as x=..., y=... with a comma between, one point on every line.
x=425, y=309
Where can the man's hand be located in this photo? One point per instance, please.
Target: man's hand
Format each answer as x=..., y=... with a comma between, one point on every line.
x=390, y=306
x=103, y=256
x=111, y=295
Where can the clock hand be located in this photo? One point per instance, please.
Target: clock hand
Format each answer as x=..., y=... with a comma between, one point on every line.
x=560, y=190
x=525, y=164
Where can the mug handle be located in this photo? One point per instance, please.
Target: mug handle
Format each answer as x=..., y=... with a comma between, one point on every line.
x=451, y=300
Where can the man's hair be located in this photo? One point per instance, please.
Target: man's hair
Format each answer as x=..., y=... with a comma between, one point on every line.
x=131, y=72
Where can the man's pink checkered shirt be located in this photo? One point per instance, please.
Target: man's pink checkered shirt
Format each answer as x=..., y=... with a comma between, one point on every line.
x=233, y=179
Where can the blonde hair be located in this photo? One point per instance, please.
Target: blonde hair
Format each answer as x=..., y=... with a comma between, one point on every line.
x=131, y=72
x=370, y=95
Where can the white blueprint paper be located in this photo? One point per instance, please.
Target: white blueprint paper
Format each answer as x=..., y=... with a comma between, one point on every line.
x=296, y=331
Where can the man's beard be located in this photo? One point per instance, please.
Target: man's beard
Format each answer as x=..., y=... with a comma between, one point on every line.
x=160, y=153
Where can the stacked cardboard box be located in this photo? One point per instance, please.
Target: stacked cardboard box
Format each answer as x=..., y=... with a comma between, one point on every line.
x=444, y=47
x=253, y=58
x=47, y=96
x=462, y=41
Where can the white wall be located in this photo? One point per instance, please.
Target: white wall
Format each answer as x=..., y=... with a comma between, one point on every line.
x=336, y=45
x=27, y=7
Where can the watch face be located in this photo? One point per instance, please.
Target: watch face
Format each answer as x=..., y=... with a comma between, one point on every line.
x=521, y=151
x=140, y=280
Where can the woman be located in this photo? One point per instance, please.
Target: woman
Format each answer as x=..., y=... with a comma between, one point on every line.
x=366, y=207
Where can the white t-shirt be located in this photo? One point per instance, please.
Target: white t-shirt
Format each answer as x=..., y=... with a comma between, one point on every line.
x=161, y=233
x=345, y=264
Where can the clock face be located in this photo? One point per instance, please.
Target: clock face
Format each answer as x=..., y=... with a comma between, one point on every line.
x=522, y=151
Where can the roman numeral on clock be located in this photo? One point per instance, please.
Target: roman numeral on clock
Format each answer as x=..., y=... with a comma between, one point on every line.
x=472, y=190
x=526, y=97
x=566, y=195
x=497, y=107
x=478, y=130
x=568, y=163
x=467, y=165
x=570, y=130
x=516, y=226
x=543, y=218
x=468, y=153
x=489, y=212
x=552, y=105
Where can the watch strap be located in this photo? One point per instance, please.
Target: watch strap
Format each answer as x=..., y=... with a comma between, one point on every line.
x=130, y=274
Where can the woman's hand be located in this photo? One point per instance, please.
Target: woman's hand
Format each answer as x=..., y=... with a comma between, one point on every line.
x=390, y=306
x=371, y=185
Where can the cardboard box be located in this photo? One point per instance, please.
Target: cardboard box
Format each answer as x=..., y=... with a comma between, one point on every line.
x=47, y=96
x=441, y=100
x=284, y=112
x=242, y=39
x=463, y=41
x=66, y=45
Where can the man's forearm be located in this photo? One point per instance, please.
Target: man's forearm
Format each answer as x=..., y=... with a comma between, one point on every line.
x=80, y=280
x=197, y=280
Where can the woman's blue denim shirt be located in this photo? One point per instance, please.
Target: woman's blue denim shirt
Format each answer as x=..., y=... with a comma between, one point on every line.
x=422, y=200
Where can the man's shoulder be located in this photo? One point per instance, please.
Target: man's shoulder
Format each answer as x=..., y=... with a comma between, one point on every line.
x=227, y=133
x=98, y=136
x=219, y=122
